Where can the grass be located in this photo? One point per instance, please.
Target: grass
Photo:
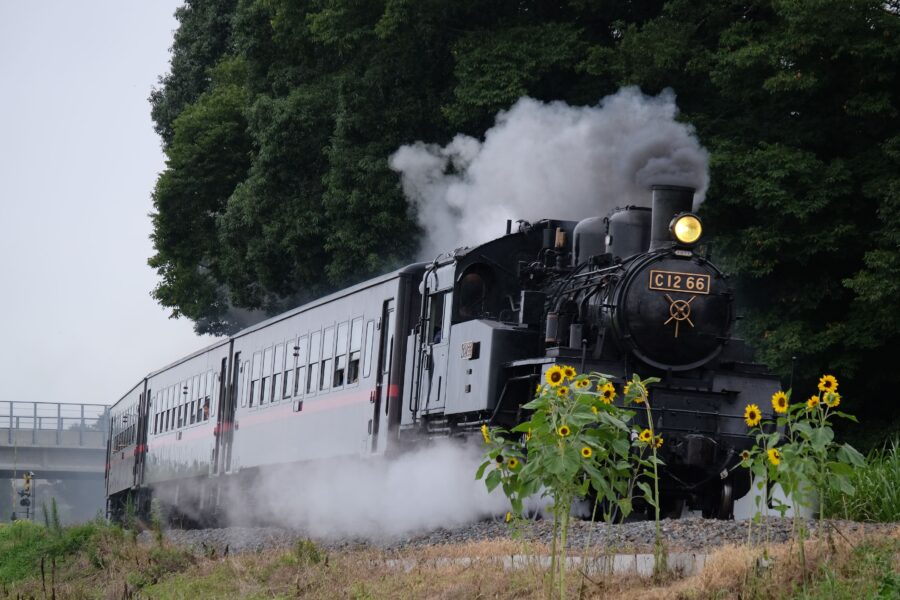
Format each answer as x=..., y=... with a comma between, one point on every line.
x=877, y=497
x=102, y=561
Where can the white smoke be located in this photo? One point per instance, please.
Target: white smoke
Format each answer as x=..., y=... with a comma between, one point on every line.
x=549, y=160
x=373, y=498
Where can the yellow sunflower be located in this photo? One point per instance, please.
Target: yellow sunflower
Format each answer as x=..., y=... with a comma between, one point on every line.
x=513, y=462
x=554, y=376
x=528, y=436
x=828, y=383
x=508, y=517
x=539, y=390
x=659, y=441
x=583, y=383
x=645, y=436
x=752, y=415
x=564, y=431
x=586, y=452
x=607, y=393
x=639, y=392
x=594, y=410
x=485, y=434
x=780, y=402
x=569, y=372
x=562, y=391
x=774, y=456
x=812, y=402
x=832, y=399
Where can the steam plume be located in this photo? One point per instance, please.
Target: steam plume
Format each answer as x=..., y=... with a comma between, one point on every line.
x=549, y=160
x=377, y=498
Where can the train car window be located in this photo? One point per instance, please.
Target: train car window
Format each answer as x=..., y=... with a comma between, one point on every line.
x=370, y=347
x=327, y=354
x=265, y=386
x=474, y=292
x=199, y=382
x=277, y=370
x=210, y=385
x=340, y=354
x=300, y=352
x=240, y=381
x=312, y=371
x=435, y=331
x=388, y=337
x=355, y=348
x=255, y=374
x=290, y=363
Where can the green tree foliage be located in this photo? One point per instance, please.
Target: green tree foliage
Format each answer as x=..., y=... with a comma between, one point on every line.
x=278, y=117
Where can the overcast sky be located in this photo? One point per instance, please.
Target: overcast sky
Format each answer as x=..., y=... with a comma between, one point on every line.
x=78, y=160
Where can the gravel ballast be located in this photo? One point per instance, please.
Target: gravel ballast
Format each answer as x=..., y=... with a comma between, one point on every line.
x=691, y=534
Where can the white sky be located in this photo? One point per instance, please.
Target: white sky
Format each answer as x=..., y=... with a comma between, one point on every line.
x=78, y=160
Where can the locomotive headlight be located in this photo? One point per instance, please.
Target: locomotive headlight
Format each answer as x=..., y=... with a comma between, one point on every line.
x=686, y=228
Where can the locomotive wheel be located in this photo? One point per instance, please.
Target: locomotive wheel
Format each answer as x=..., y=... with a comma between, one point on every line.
x=670, y=508
x=721, y=508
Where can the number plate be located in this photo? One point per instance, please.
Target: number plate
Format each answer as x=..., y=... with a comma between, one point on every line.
x=672, y=281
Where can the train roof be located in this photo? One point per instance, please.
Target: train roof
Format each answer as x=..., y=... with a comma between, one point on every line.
x=408, y=269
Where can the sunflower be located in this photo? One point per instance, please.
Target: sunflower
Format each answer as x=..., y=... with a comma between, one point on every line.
x=586, y=452
x=513, y=462
x=539, y=390
x=639, y=392
x=659, y=441
x=645, y=436
x=564, y=431
x=499, y=459
x=594, y=410
x=812, y=402
x=774, y=456
x=780, y=402
x=607, y=393
x=554, y=375
x=508, y=517
x=562, y=391
x=828, y=383
x=745, y=455
x=832, y=399
x=583, y=383
x=528, y=436
x=485, y=434
x=569, y=372
x=752, y=416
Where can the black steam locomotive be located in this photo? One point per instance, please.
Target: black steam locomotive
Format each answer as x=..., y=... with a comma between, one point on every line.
x=439, y=349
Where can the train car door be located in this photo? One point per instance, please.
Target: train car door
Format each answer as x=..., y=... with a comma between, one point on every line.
x=225, y=425
x=382, y=395
x=434, y=348
x=221, y=411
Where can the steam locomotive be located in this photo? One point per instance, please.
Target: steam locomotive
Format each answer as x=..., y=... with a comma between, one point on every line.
x=438, y=349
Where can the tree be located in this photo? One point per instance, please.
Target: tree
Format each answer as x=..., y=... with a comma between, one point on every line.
x=278, y=118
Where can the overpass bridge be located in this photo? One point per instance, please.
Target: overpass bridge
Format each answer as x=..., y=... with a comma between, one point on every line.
x=64, y=446
x=53, y=440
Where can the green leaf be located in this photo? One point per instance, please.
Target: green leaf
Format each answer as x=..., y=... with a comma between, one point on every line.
x=493, y=480
x=480, y=472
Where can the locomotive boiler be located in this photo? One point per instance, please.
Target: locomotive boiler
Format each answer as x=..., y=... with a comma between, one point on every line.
x=438, y=349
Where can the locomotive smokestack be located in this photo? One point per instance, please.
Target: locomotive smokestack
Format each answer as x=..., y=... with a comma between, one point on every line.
x=668, y=201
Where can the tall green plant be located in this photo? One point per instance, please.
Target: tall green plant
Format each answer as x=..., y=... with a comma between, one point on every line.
x=577, y=443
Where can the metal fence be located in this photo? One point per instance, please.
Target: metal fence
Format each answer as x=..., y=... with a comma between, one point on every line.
x=53, y=423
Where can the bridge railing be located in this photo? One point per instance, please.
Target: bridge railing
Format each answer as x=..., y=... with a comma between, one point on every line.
x=53, y=424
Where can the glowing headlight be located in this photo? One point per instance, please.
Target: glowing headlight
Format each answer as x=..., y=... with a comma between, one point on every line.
x=686, y=228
